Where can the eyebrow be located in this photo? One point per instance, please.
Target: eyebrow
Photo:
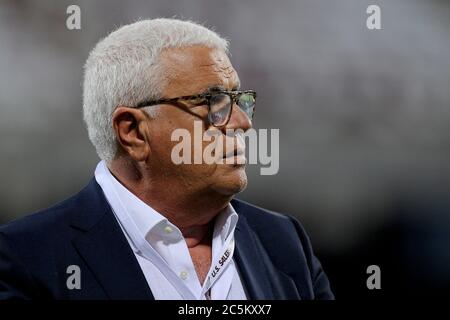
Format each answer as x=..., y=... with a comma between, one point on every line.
x=219, y=87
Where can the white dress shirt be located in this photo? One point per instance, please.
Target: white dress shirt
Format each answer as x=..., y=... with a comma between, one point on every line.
x=161, y=250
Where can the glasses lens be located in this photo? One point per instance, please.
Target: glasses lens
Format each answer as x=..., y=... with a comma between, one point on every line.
x=220, y=105
x=246, y=102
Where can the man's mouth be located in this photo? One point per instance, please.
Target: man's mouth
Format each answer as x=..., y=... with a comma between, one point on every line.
x=234, y=153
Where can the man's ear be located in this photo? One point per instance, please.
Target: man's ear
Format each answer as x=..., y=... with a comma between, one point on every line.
x=131, y=128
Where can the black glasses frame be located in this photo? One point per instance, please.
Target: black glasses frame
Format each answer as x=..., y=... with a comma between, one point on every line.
x=203, y=99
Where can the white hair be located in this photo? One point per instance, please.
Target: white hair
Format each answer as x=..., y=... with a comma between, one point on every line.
x=123, y=69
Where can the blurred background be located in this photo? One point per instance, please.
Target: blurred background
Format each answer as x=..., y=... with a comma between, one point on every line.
x=364, y=119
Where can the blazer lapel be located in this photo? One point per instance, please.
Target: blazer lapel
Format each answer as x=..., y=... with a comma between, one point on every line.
x=104, y=248
x=249, y=260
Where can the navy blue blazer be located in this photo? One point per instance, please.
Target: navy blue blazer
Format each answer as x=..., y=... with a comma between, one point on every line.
x=273, y=254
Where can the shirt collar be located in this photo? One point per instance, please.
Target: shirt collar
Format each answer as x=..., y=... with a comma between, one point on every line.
x=127, y=206
x=225, y=222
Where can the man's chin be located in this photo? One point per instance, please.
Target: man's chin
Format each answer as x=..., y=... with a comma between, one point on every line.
x=231, y=181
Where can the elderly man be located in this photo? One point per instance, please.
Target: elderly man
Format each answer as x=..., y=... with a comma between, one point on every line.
x=146, y=227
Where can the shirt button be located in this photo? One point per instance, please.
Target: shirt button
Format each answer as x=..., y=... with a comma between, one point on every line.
x=183, y=275
x=168, y=229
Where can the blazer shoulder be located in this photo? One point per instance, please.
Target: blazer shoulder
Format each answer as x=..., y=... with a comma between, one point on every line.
x=289, y=247
x=44, y=223
x=42, y=229
x=259, y=217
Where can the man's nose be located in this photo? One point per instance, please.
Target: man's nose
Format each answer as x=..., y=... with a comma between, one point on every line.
x=238, y=119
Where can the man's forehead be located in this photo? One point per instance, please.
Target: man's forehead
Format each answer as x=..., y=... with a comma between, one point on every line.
x=198, y=68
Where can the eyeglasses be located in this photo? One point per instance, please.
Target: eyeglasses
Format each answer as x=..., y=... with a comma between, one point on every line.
x=220, y=104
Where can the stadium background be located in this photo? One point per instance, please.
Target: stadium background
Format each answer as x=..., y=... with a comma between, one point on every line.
x=364, y=119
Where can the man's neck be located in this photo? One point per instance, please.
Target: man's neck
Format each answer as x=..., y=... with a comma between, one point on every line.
x=198, y=235
x=192, y=212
